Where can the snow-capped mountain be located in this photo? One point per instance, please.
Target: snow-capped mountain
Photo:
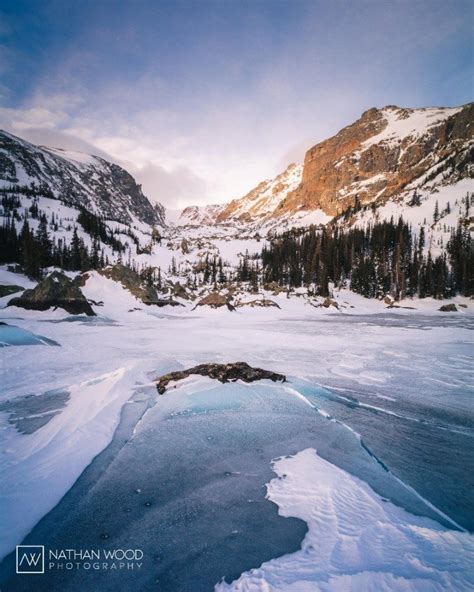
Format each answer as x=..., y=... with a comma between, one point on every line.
x=377, y=158
x=199, y=215
x=86, y=213
x=261, y=203
x=77, y=179
x=383, y=153
x=257, y=209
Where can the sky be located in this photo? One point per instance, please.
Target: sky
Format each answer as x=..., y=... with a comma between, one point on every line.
x=201, y=100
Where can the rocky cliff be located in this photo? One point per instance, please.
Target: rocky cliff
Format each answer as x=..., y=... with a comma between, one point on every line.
x=382, y=153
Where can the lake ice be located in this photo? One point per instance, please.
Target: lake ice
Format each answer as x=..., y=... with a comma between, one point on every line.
x=385, y=400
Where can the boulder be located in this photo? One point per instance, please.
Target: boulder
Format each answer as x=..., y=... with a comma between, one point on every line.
x=179, y=291
x=216, y=300
x=448, y=308
x=167, y=302
x=55, y=291
x=329, y=302
x=222, y=372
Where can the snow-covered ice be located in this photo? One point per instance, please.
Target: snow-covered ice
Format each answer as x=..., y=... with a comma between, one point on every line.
x=356, y=539
x=385, y=397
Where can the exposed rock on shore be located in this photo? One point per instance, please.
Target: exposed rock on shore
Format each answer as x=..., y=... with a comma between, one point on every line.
x=448, y=308
x=216, y=300
x=55, y=291
x=222, y=372
x=167, y=302
x=258, y=303
x=8, y=290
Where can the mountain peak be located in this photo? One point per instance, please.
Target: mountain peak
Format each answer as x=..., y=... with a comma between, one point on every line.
x=380, y=154
x=371, y=160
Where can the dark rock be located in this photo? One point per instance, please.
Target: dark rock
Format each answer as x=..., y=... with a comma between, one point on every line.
x=55, y=291
x=222, y=372
x=8, y=290
x=95, y=302
x=448, y=308
x=167, y=302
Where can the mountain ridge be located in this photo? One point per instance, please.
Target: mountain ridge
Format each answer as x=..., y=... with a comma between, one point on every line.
x=76, y=178
x=373, y=159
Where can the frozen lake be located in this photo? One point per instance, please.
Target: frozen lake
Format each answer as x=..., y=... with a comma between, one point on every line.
x=387, y=398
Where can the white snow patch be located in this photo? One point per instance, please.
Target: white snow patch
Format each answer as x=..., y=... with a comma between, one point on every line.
x=416, y=123
x=52, y=458
x=356, y=540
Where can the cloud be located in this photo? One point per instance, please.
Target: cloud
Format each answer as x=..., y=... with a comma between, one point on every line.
x=37, y=117
x=175, y=188
x=59, y=139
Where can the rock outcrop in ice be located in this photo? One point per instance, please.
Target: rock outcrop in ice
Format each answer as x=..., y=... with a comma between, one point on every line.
x=222, y=372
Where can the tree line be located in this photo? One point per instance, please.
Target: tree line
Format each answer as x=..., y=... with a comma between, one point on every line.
x=380, y=259
x=37, y=250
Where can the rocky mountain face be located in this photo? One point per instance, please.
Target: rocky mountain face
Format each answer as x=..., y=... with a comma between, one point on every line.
x=376, y=158
x=78, y=179
x=381, y=154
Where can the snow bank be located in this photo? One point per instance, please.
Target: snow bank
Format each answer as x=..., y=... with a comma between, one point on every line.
x=356, y=540
x=115, y=298
x=9, y=278
x=39, y=468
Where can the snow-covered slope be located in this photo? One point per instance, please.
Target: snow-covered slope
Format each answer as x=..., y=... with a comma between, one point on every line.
x=411, y=124
x=199, y=215
x=76, y=178
x=263, y=202
x=438, y=209
x=256, y=210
